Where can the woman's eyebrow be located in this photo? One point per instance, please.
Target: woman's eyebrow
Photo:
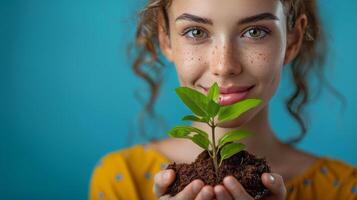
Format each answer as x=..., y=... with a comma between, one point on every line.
x=251, y=19
x=194, y=18
x=259, y=17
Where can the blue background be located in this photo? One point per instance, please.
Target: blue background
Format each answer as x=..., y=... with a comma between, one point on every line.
x=67, y=93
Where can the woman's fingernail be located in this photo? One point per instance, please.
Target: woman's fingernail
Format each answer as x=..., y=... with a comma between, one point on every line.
x=230, y=181
x=271, y=179
x=196, y=187
x=207, y=194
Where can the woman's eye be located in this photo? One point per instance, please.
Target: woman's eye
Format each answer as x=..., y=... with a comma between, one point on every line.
x=195, y=33
x=256, y=33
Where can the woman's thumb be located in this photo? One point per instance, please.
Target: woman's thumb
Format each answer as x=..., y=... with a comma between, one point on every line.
x=275, y=183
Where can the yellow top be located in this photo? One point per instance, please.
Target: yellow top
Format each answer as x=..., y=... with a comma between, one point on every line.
x=128, y=175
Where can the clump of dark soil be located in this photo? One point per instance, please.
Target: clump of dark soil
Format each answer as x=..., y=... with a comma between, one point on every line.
x=245, y=167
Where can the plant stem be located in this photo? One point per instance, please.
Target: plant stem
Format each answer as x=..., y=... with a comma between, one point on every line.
x=214, y=149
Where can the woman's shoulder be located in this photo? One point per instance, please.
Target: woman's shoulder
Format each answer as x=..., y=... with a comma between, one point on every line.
x=335, y=176
x=333, y=169
x=338, y=168
x=136, y=157
x=129, y=170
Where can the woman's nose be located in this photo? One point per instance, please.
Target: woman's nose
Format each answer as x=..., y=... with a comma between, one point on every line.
x=226, y=62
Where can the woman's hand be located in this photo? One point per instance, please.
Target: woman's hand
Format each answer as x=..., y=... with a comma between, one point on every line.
x=232, y=189
x=193, y=191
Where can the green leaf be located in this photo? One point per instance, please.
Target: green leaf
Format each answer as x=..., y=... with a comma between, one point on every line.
x=201, y=141
x=231, y=149
x=231, y=112
x=232, y=136
x=196, y=135
x=185, y=132
x=213, y=92
x=206, y=119
x=194, y=100
x=213, y=108
x=193, y=118
x=179, y=132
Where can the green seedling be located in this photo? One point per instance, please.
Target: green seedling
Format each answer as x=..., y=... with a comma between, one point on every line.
x=205, y=109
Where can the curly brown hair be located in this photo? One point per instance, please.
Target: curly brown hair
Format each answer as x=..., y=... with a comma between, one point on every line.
x=310, y=58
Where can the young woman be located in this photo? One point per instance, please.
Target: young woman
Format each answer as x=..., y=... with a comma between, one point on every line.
x=243, y=45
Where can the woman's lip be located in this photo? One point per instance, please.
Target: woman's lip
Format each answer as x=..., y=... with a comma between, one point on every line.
x=231, y=98
x=231, y=90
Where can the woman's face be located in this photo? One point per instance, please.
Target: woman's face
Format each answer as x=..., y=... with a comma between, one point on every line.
x=236, y=43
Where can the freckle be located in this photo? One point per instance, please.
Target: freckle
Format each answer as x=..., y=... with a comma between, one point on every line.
x=251, y=61
x=192, y=58
x=199, y=59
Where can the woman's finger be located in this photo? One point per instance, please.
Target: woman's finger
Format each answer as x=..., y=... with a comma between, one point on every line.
x=275, y=183
x=206, y=193
x=221, y=193
x=166, y=197
x=236, y=189
x=190, y=191
x=162, y=181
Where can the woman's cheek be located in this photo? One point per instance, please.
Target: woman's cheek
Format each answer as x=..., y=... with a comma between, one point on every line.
x=189, y=64
x=256, y=62
x=264, y=65
x=271, y=77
